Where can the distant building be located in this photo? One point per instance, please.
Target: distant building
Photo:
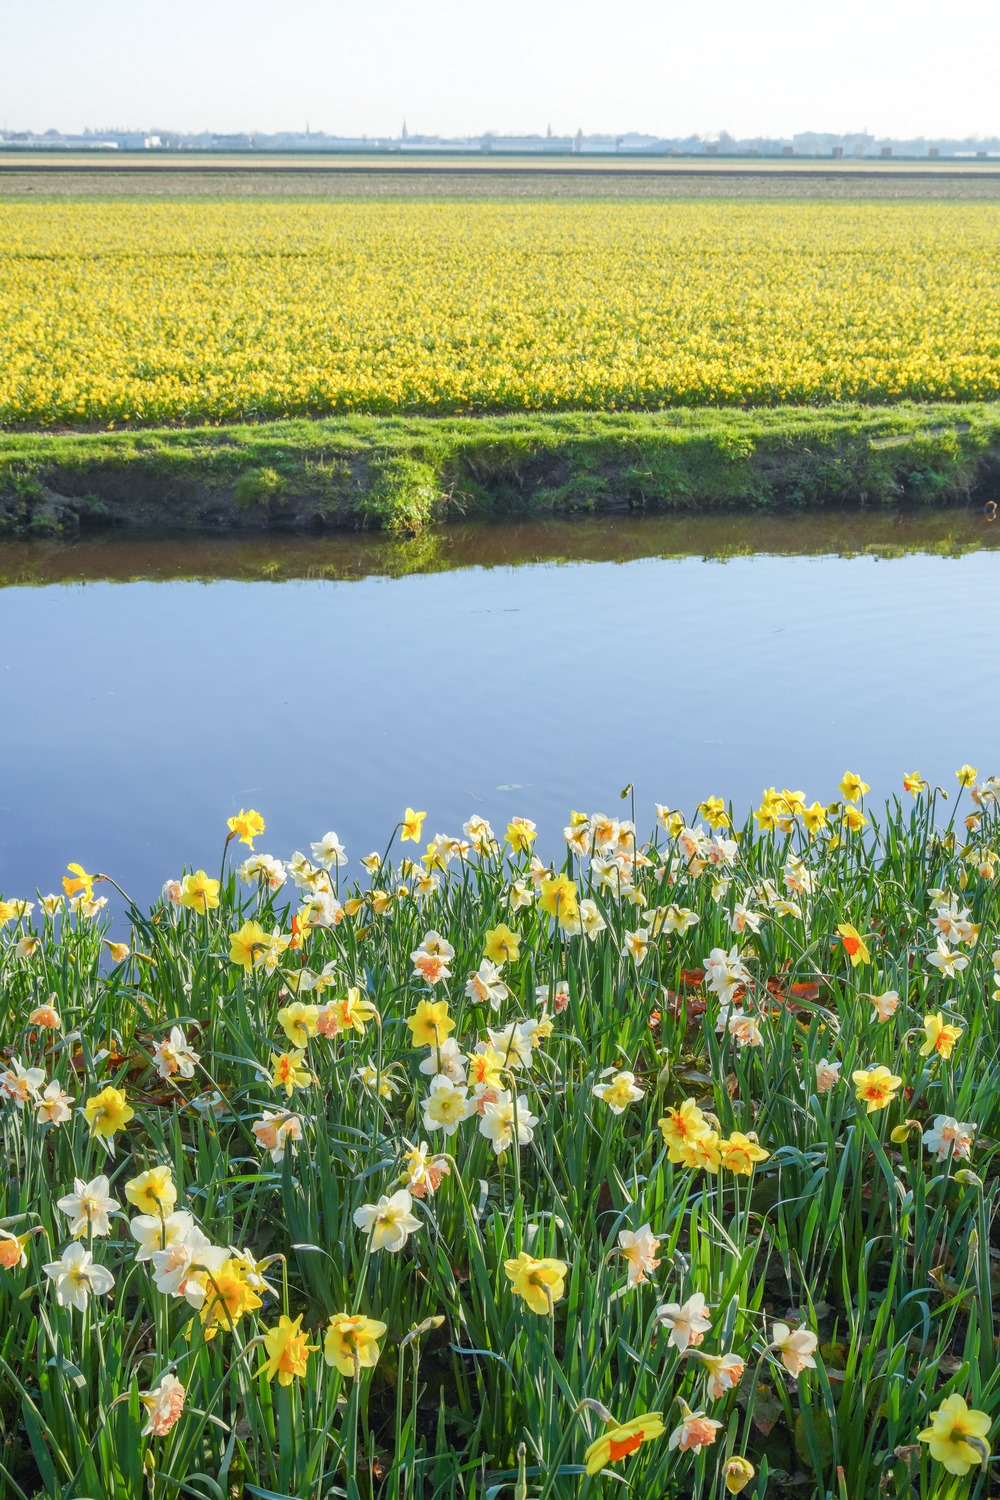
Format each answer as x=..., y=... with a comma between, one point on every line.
x=531, y=144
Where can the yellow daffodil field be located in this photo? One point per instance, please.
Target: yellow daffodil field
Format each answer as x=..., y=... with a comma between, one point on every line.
x=443, y=1171
x=142, y=312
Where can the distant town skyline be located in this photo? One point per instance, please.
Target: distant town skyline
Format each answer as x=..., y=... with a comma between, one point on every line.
x=632, y=143
x=463, y=67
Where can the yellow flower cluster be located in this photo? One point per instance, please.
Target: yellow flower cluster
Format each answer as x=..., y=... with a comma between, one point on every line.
x=154, y=312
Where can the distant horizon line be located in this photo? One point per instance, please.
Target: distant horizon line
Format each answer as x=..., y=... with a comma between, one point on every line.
x=629, y=140
x=435, y=137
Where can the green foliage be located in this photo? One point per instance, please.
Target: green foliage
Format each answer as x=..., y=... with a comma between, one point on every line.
x=404, y=495
x=398, y=473
x=257, y=488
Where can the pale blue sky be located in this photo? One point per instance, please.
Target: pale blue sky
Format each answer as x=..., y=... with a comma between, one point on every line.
x=458, y=66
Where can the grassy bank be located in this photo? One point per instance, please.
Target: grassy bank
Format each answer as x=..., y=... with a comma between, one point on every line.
x=398, y=474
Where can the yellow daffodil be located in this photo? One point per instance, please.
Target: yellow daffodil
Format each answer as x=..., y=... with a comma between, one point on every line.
x=966, y=775
x=682, y=1125
x=288, y=1071
x=81, y=882
x=288, y=1350
x=351, y=1342
x=246, y=826
x=558, y=898
x=767, y=814
x=249, y=945
x=502, y=944
x=621, y=1439
x=941, y=1036
x=539, y=1282
x=740, y=1153
x=108, y=1112
x=876, y=1087
x=153, y=1192
x=199, y=892
x=957, y=1436
x=854, y=945
x=521, y=834
x=914, y=783
x=436, y=855
x=701, y=1153
x=713, y=810
x=228, y=1295
x=430, y=1023
x=299, y=1022
x=411, y=826
x=852, y=788
x=355, y=1012
x=814, y=818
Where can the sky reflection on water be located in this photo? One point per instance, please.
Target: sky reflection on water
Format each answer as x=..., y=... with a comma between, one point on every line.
x=137, y=718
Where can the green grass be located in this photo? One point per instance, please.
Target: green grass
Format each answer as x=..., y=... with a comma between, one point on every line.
x=398, y=473
x=849, y=1226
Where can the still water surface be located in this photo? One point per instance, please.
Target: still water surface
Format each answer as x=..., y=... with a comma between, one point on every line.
x=150, y=689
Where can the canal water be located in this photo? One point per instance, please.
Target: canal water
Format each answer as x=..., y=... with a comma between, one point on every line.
x=151, y=688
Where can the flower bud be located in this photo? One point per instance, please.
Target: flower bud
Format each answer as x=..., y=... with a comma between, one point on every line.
x=589, y=1404
x=737, y=1472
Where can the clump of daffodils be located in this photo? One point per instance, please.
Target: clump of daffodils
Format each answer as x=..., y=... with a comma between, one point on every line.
x=321, y=1134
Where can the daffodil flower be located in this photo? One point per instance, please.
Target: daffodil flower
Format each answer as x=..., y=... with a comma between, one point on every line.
x=957, y=1436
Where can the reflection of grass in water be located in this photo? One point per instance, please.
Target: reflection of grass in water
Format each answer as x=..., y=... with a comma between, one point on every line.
x=729, y=553
x=485, y=545
x=424, y=553
x=122, y=557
